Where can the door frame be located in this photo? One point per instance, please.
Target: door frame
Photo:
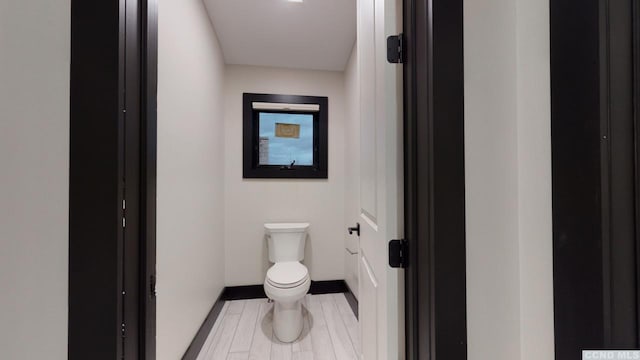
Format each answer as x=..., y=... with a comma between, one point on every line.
x=112, y=160
x=94, y=189
x=435, y=286
x=435, y=280
x=149, y=146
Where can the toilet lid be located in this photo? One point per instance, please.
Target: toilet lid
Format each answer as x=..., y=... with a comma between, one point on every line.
x=287, y=274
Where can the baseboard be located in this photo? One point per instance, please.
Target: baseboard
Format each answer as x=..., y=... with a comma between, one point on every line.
x=201, y=336
x=317, y=288
x=328, y=287
x=257, y=291
x=352, y=300
x=243, y=292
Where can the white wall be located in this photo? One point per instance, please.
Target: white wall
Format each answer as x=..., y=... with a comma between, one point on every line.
x=493, y=288
x=352, y=168
x=34, y=181
x=534, y=181
x=508, y=162
x=249, y=203
x=190, y=180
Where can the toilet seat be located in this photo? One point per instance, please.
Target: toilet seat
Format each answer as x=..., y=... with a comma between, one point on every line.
x=287, y=275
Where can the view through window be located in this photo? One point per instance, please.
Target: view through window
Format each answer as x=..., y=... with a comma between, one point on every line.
x=286, y=139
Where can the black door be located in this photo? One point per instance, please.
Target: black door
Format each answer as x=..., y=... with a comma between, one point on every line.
x=594, y=77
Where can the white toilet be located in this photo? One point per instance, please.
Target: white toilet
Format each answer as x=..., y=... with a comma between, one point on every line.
x=287, y=281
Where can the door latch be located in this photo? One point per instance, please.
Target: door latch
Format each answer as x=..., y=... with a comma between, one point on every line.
x=398, y=253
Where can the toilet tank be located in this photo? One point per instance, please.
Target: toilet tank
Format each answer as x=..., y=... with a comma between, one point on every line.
x=285, y=241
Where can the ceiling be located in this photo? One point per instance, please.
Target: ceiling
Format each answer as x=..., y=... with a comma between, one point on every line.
x=314, y=34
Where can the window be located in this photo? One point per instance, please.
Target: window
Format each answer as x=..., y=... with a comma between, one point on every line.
x=285, y=136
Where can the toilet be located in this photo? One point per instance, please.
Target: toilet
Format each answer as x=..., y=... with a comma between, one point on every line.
x=287, y=281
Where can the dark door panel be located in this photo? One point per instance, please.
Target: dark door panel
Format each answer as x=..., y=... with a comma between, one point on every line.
x=594, y=156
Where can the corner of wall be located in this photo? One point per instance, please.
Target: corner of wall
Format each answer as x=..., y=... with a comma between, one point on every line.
x=508, y=166
x=352, y=185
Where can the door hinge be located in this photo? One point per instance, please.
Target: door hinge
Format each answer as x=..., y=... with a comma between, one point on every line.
x=398, y=253
x=395, y=49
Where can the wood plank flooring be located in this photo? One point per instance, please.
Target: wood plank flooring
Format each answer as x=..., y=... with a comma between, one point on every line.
x=243, y=331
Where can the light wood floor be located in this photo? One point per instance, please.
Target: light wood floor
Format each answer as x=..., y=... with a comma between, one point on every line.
x=243, y=331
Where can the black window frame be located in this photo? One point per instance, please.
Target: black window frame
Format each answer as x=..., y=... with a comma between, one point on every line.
x=251, y=167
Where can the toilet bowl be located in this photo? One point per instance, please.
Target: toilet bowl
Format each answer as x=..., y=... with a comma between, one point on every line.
x=286, y=284
x=287, y=281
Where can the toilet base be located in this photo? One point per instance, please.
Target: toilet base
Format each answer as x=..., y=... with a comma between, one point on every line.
x=287, y=320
